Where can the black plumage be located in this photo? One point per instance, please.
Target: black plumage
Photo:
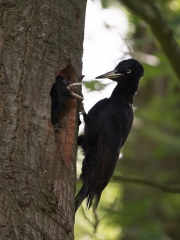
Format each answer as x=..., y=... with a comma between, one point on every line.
x=107, y=126
x=59, y=92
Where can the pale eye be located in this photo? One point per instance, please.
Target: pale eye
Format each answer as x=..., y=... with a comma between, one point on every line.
x=128, y=71
x=64, y=81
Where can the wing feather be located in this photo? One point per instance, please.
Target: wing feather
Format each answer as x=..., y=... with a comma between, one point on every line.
x=114, y=128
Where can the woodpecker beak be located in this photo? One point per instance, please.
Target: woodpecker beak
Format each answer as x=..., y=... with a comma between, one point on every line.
x=75, y=84
x=111, y=75
x=74, y=94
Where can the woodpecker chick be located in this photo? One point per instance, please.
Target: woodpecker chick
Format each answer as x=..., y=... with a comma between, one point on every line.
x=60, y=92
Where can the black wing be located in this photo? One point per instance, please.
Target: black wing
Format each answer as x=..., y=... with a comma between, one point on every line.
x=107, y=126
x=91, y=119
x=116, y=122
x=114, y=128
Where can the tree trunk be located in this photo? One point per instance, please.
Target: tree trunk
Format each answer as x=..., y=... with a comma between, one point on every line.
x=37, y=175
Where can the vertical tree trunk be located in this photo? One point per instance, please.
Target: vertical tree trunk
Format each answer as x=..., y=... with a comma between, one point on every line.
x=37, y=174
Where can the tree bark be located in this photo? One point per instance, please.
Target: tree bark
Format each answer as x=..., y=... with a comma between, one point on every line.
x=37, y=166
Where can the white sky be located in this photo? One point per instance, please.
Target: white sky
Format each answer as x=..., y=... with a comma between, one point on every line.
x=103, y=47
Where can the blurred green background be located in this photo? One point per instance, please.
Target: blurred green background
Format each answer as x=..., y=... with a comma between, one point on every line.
x=130, y=210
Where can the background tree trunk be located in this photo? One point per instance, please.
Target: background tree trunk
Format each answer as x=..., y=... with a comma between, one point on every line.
x=37, y=181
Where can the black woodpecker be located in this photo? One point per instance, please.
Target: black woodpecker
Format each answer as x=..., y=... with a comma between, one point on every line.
x=107, y=125
x=59, y=92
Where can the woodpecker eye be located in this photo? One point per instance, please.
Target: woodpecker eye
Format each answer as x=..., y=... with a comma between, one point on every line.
x=64, y=81
x=128, y=71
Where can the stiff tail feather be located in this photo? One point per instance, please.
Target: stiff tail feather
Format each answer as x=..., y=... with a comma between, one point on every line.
x=82, y=194
x=96, y=201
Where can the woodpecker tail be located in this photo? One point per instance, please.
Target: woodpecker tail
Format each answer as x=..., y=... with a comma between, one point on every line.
x=82, y=194
x=96, y=201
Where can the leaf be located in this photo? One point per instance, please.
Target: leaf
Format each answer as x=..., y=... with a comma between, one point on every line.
x=95, y=85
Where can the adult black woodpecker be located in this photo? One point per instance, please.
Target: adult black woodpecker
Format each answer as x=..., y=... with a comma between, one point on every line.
x=59, y=92
x=107, y=125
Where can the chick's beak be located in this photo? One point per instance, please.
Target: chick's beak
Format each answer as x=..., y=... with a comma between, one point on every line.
x=74, y=94
x=111, y=75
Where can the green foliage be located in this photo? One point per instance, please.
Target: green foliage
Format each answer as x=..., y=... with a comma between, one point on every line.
x=100, y=225
x=105, y=3
x=94, y=85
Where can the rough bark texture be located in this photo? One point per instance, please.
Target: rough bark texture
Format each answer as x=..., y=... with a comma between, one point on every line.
x=37, y=174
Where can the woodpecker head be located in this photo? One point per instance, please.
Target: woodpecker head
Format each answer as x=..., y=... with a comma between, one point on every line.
x=64, y=86
x=128, y=69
